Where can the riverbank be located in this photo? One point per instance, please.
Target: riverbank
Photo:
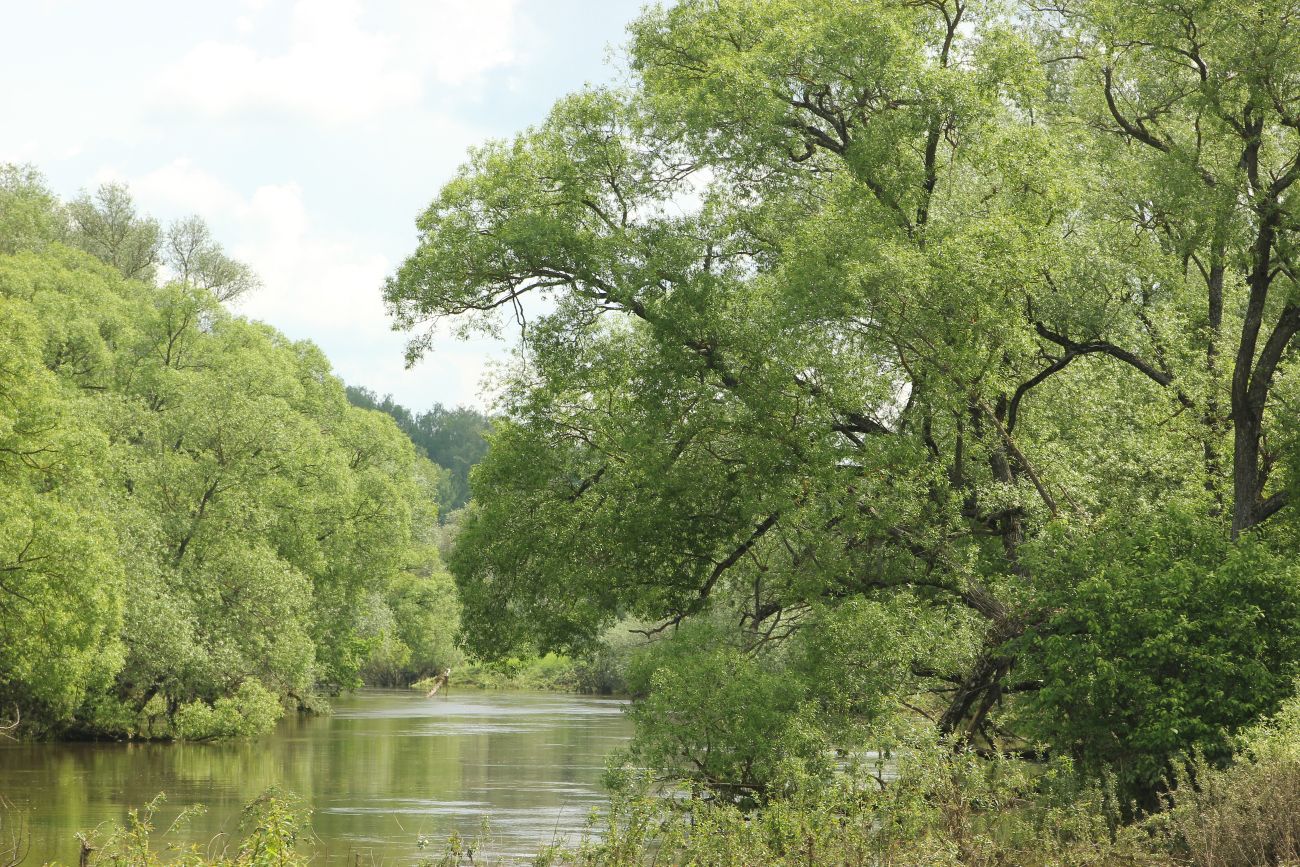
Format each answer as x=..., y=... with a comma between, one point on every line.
x=942, y=810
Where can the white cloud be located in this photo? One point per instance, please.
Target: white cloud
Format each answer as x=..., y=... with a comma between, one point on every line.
x=23, y=152
x=336, y=70
x=460, y=40
x=179, y=187
x=318, y=285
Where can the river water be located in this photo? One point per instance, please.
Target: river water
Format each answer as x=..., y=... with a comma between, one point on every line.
x=387, y=768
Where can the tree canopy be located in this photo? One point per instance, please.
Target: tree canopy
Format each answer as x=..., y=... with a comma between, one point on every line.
x=196, y=528
x=981, y=316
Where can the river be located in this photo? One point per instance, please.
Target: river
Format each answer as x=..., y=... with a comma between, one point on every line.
x=387, y=768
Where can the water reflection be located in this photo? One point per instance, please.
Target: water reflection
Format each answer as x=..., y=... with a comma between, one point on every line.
x=388, y=767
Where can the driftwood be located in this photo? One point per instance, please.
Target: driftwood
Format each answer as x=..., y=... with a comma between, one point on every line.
x=7, y=729
x=439, y=682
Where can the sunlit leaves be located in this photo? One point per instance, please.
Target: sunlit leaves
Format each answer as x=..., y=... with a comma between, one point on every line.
x=192, y=513
x=875, y=315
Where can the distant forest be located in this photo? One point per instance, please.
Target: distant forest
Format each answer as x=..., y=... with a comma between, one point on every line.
x=454, y=439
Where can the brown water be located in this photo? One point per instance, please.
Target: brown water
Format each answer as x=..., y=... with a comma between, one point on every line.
x=385, y=769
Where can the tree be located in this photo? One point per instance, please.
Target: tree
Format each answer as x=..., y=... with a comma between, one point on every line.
x=30, y=215
x=454, y=439
x=107, y=226
x=190, y=252
x=903, y=303
x=60, y=585
x=193, y=517
x=1197, y=100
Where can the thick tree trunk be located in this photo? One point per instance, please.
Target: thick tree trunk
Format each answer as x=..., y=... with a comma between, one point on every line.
x=974, y=697
x=1245, y=472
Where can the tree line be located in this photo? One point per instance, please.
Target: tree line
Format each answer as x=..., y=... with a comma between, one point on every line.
x=197, y=530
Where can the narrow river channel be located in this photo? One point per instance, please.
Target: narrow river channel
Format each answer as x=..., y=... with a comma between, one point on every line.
x=387, y=768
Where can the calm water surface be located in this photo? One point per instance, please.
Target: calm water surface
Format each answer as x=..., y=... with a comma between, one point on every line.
x=387, y=767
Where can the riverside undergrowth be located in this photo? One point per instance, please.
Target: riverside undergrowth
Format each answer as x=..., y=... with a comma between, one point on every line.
x=924, y=805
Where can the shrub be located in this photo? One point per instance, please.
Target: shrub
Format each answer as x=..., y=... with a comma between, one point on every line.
x=940, y=809
x=271, y=827
x=710, y=712
x=252, y=710
x=1162, y=639
x=1247, y=813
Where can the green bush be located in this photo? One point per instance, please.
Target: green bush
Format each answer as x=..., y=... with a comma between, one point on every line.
x=714, y=714
x=603, y=670
x=551, y=672
x=252, y=710
x=1247, y=813
x=1162, y=639
x=937, y=808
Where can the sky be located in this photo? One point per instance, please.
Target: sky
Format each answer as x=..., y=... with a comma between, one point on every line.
x=307, y=134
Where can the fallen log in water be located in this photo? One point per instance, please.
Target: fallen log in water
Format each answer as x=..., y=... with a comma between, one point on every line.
x=439, y=682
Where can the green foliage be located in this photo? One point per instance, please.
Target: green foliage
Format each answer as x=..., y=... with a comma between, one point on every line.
x=195, y=258
x=944, y=351
x=754, y=719
x=107, y=226
x=932, y=807
x=271, y=828
x=252, y=710
x=710, y=712
x=272, y=825
x=1247, y=813
x=550, y=672
x=30, y=215
x=195, y=525
x=1162, y=640
x=60, y=585
x=414, y=624
x=454, y=439
x=603, y=670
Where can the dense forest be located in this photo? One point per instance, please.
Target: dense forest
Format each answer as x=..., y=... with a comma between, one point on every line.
x=197, y=530
x=920, y=367
x=454, y=439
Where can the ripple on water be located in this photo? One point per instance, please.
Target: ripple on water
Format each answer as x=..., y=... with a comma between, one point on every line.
x=388, y=768
x=504, y=704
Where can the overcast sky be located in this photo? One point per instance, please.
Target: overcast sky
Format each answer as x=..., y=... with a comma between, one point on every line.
x=307, y=134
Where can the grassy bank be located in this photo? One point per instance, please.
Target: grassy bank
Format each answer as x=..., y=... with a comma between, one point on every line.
x=943, y=808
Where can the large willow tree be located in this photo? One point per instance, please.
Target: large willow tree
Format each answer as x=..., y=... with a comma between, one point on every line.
x=940, y=347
